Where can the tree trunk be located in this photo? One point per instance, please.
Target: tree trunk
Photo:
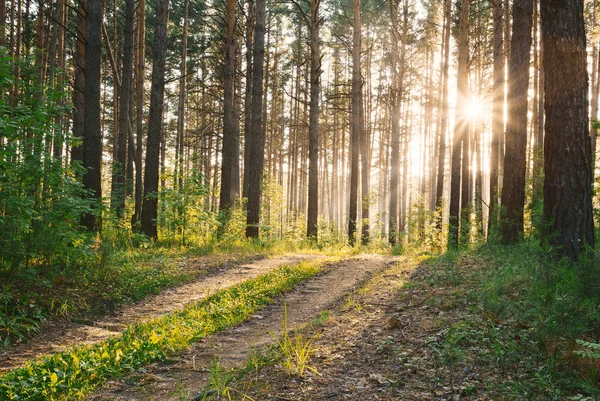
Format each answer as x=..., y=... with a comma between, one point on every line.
x=139, y=112
x=256, y=141
x=567, y=145
x=356, y=129
x=92, y=139
x=248, y=95
x=513, y=183
x=226, y=196
x=79, y=84
x=461, y=125
x=396, y=96
x=313, y=127
x=439, y=191
x=179, y=159
x=497, y=112
x=2, y=23
x=118, y=187
x=155, y=122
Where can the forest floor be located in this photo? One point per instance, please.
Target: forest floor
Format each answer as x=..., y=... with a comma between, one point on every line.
x=369, y=327
x=214, y=272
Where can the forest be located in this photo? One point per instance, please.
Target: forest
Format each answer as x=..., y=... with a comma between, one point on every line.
x=299, y=200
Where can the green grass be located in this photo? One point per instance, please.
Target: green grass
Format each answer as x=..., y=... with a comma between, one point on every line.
x=94, y=288
x=75, y=373
x=527, y=315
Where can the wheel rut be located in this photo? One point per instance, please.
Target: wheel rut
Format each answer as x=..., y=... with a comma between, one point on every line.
x=57, y=336
x=183, y=376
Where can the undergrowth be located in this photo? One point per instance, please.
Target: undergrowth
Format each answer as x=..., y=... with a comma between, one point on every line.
x=536, y=319
x=75, y=373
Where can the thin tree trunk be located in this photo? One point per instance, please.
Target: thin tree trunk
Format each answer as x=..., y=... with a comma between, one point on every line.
x=513, y=184
x=439, y=191
x=92, y=140
x=179, y=159
x=118, y=187
x=139, y=110
x=356, y=129
x=79, y=83
x=248, y=95
x=229, y=143
x=256, y=141
x=155, y=122
x=313, y=127
x=461, y=127
x=497, y=112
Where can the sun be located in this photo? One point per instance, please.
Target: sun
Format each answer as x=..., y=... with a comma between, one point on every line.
x=474, y=109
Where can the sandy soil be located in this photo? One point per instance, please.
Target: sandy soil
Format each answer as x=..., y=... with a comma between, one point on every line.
x=56, y=336
x=184, y=376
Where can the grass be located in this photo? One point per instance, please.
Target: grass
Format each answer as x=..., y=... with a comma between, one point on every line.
x=77, y=372
x=294, y=349
x=531, y=318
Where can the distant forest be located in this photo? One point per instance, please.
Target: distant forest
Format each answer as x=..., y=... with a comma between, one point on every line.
x=432, y=123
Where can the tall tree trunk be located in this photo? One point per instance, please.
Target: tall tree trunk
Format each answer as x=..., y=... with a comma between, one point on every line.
x=497, y=112
x=118, y=187
x=256, y=141
x=365, y=159
x=229, y=142
x=155, y=122
x=567, y=145
x=248, y=95
x=3, y=23
x=356, y=129
x=461, y=126
x=396, y=96
x=139, y=111
x=313, y=125
x=179, y=142
x=92, y=139
x=439, y=191
x=79, y=84
x=513, y=183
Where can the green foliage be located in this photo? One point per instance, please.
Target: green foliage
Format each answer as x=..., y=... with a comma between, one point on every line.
x=183, y=216
x=533, y=308
x=75, y=373
x=41, y=200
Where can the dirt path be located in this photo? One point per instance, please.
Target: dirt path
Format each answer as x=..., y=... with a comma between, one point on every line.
x=57, y=336
x=185, y=375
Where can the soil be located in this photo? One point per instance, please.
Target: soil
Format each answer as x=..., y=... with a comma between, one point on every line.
x=386, y=341
x=215, y=272
x=184, y=376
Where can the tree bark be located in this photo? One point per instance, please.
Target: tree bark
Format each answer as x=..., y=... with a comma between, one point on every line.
x=513, y=183
x=396, y=96
x=139, y=112
x=155, y=122
x=92, y=139
x=229, y=142
x=439, y=191
x=79, y=84
x=179, y=157
x=313, y=126
x=567, y=145
x=248, y=95
x=256, y=141
x=118, y=187
x=356, y=129
x=461, y=125
x=497, y=112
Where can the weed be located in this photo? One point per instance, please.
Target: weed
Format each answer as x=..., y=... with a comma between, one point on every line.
x=296, y=351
